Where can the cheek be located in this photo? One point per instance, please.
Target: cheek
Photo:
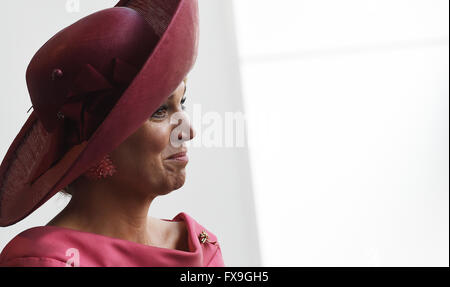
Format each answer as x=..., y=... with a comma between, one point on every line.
x=156, y=139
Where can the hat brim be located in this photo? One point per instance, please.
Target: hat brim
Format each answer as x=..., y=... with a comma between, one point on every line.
x=165, y=68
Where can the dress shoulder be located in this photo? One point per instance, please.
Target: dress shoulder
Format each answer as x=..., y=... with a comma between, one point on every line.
x=212, y=252
x=32, y=262
x=50, y=246
x=25, y=250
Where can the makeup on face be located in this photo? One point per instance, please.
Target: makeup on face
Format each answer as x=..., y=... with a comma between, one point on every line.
x=163, y=111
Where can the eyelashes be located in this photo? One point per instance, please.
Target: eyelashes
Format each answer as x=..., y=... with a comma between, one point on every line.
x=163, y=111
x=160, y=113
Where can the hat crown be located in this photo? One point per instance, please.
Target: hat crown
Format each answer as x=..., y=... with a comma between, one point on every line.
x=56, y=71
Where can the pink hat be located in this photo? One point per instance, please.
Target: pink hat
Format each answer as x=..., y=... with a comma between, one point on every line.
x=92, y=85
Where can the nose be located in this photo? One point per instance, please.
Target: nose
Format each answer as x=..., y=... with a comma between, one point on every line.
x=183, y=135
x=184, y=127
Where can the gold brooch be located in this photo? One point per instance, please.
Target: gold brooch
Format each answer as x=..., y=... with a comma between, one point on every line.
x=204, y=238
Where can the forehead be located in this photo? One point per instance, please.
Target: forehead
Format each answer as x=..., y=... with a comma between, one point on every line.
x=181, y=90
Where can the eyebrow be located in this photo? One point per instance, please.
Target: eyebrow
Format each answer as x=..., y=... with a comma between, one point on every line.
x=184, y=93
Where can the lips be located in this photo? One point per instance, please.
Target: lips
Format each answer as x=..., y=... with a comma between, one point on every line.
x=178, y=155
x=179, y=158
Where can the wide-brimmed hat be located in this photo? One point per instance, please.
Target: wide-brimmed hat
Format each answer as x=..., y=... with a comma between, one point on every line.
x=92, y=85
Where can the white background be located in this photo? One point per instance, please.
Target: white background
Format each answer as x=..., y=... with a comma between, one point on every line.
x=351, y=164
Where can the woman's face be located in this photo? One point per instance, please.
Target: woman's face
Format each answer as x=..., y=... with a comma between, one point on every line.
x=143, y=159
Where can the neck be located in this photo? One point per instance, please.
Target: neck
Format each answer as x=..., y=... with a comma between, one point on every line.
x=100, y=208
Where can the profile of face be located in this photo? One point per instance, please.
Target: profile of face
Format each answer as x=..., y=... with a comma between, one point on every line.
x=145, y=161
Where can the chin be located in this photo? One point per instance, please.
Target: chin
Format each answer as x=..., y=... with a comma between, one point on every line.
x=170, y=185
x=177, y=183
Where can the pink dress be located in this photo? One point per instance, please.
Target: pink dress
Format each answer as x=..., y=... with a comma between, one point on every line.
x=52, y=246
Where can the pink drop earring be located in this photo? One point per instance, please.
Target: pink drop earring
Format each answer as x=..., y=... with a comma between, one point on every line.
x=102, y=169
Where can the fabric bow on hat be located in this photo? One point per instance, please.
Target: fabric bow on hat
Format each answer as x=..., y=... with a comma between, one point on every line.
x=91, y=98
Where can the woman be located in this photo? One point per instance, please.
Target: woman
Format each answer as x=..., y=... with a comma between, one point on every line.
x=108, y=127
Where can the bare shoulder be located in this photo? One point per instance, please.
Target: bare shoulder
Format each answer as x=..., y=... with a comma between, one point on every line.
x=174, y=233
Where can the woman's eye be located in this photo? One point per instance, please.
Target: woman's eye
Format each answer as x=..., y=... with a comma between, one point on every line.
x=160, y=113
x=183, y=107
x=163, y=110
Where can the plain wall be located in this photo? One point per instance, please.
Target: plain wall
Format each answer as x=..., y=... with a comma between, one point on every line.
x=348, y=108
